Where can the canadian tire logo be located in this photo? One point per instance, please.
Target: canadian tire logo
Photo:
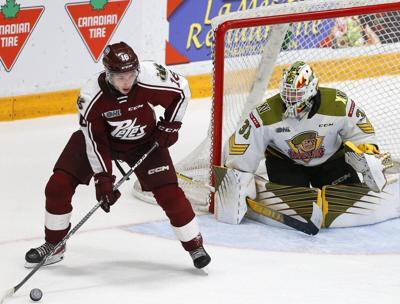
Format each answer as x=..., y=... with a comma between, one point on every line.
x=96, y=22
x=16, y=25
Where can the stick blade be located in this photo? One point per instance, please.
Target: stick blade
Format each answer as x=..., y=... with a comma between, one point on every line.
x=316, y=216
x=7, y=294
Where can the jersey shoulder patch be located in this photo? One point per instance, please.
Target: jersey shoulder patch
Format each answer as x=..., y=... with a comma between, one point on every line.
x=333, y=102
x=88, y=95
x=155, y=74
x=271, y=110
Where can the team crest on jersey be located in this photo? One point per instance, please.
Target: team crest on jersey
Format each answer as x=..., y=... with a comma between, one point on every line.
x=306, y=146
x=127, y=129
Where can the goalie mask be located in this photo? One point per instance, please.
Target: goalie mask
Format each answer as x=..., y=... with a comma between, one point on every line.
x=121, y=65
x=298, y=86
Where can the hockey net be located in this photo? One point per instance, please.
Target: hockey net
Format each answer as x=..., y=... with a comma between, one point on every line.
x=352, y=45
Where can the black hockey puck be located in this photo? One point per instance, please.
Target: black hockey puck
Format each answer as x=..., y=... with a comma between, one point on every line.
x=36, y=294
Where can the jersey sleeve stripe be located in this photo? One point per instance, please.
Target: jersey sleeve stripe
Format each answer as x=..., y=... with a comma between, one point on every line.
x=178, y=109
x=95, y=160
x=95, y=150
x=91, y=103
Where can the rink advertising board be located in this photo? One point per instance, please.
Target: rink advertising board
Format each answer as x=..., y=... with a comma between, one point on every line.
x=96, y=22
x=190, y=34
x=16, y=25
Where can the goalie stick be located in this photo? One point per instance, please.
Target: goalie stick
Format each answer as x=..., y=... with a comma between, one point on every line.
x=310, y=227
x=14, y=289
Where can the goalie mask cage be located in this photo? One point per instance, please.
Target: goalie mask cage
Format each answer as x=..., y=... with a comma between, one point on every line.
x=352, y=45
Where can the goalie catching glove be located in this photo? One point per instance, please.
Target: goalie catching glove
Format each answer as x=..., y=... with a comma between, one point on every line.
x=367, y=160
x=232, y=188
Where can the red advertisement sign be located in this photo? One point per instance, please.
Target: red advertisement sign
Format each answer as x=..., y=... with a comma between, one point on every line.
x=96, y=22
x=16, y=25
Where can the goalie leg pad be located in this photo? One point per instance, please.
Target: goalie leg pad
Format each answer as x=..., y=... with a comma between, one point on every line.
x=357, y=205
x=297, y=202
x=232, y=188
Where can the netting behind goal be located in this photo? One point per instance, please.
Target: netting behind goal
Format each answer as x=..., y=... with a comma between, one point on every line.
x=352, y=45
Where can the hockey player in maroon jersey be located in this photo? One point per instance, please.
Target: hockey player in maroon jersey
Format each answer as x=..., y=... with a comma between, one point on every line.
x=117, y=121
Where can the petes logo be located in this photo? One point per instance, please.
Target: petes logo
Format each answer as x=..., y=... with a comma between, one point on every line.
x=16, y=25
x=127, y=129
x=96, y=22
x=306, y=146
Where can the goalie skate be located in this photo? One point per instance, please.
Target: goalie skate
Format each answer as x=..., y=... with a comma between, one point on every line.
x=371, y=166
x=35, y=255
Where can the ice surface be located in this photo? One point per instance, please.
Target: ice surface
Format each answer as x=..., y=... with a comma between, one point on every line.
x=130, y=256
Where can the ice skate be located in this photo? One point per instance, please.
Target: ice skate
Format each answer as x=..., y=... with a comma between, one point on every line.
x=200, y=257
x=35, y=255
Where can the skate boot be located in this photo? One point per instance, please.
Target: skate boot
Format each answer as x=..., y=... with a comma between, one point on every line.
x=200, y=257
x=35, y=255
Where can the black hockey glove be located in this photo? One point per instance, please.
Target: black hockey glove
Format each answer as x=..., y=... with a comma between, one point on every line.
x=166, y=133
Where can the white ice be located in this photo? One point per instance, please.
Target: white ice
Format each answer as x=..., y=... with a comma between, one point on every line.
x=131, y=256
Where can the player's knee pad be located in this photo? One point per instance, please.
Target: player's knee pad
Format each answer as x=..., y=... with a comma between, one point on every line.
x=59, y=191
x=175, y=204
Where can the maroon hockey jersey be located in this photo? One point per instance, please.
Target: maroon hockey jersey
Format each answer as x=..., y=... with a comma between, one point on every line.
x=113, y=122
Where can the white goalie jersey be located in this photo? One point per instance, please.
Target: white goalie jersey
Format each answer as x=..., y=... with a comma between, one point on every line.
x=310, y=141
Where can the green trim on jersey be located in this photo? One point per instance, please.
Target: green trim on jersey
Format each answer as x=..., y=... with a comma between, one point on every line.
x=333, y=102
x=271, y=110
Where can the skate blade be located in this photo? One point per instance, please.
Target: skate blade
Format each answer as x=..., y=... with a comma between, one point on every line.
x=50, y=261
x=204, y=271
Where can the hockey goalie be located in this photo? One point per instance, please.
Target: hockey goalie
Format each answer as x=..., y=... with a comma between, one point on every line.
x=319, y=149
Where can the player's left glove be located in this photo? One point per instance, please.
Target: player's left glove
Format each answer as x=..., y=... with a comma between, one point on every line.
x=166, y=133
x=104, y=190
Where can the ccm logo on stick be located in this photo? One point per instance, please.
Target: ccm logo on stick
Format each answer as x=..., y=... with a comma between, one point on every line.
x=157, y=170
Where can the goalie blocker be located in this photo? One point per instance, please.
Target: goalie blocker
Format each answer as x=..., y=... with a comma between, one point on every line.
x=239, y=194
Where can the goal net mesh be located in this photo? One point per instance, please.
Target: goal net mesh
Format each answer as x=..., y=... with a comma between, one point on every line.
x=356, y=53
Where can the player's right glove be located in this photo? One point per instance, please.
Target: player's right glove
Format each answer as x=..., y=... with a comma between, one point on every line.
x=104, y=190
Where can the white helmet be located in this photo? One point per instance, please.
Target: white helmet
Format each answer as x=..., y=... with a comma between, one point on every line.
x=298, y=86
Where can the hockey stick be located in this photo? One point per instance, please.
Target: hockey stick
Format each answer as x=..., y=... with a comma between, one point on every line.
x=310, y=227
x=13, y=290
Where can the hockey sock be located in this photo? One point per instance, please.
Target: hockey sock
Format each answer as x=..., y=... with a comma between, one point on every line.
x=59, y=191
